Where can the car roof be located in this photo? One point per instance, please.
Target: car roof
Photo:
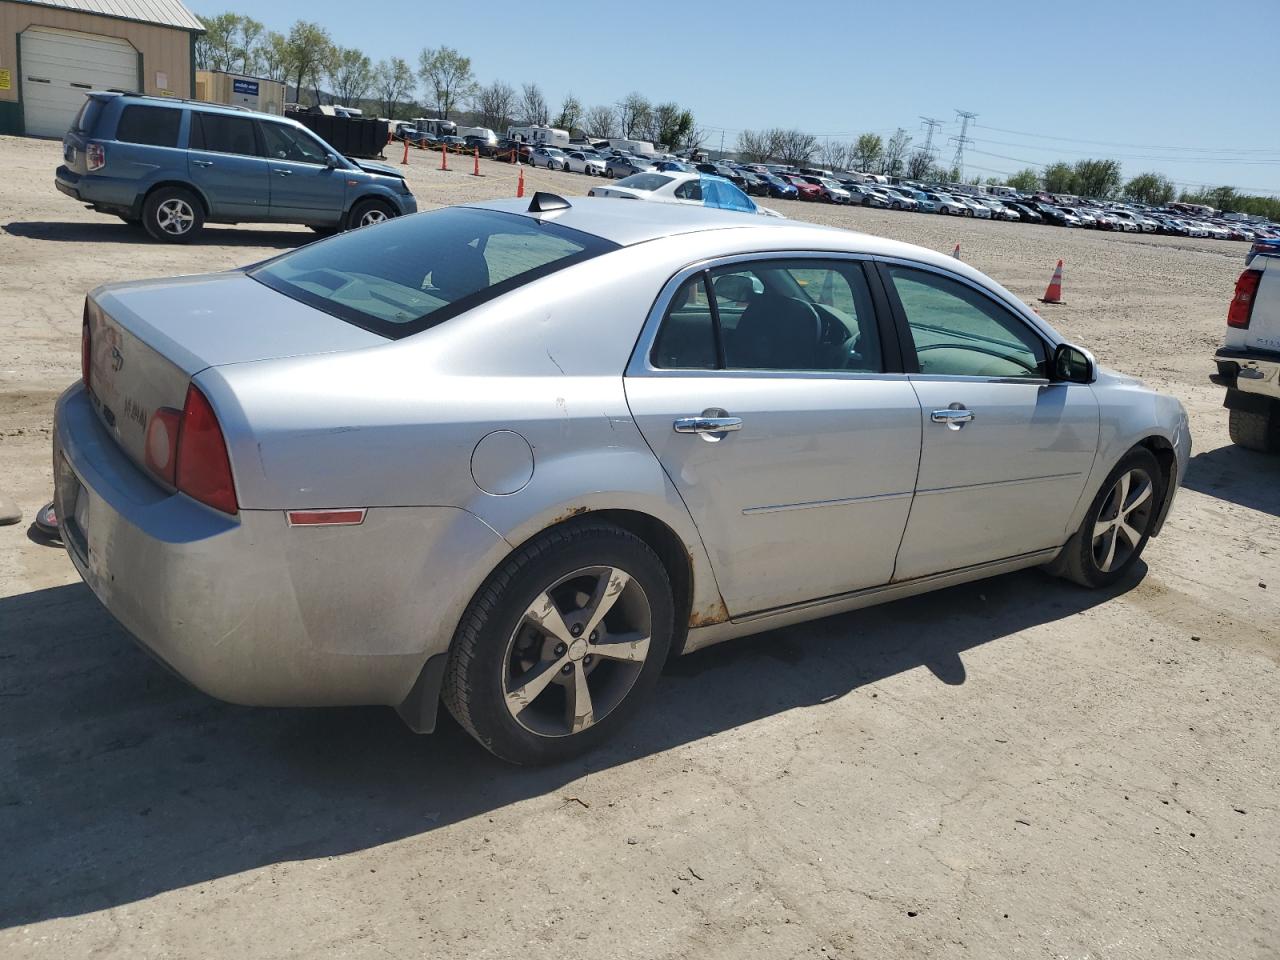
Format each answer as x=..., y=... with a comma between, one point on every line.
x=201, y=105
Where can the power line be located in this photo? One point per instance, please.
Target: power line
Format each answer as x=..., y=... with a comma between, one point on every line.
x=1131, y=146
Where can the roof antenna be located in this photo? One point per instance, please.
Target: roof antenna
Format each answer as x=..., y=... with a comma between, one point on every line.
x=547, y=203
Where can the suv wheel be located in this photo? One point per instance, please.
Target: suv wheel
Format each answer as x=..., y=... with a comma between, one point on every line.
x=172, y=214
x=561, y=644
x=1255, y=431
x=1118, y=524
x=368, y=212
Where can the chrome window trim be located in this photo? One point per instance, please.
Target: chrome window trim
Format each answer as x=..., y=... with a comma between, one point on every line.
x=640, y=365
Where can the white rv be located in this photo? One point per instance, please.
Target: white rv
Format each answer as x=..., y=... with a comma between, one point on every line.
x=544, y=136
x=436, y=127
x=642, y=148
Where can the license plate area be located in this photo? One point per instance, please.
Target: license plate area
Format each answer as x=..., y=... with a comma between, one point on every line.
x=71, y=504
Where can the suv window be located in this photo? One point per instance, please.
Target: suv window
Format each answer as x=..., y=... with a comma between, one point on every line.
x=960, y=332
x=290, y=143
x=800, y=315
x=155, y=126
x=87, y=118
x=223, y=133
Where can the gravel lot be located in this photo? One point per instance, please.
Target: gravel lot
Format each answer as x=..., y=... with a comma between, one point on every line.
x=1015, y=768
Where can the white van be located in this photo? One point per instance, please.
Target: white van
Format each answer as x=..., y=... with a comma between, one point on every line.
x=484, y=133
x=543, y=136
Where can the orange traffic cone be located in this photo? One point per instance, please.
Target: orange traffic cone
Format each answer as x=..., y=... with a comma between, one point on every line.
x=956, y=252
x=444, y=156
x=1053, y=292
x=520, y=183
x=406, y=152
x=476, y=171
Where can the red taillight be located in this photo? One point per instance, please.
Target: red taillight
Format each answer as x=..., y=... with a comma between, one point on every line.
x=1241, y=309
x=162, y=444
x=203, y=469
x=95, y=157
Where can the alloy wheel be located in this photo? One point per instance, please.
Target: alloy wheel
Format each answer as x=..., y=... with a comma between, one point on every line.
x=577, y=651
x=1123, y=520
x=373, y=215
x=175, y=216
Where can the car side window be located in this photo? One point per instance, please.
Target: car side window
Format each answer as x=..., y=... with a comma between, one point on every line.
x=958, y=331
x=154, y=126
x=223, y=133
x=288, y=143
x=687, y=340
x=690, y=190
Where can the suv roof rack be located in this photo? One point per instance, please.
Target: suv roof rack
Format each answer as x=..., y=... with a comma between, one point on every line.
x=156, y=96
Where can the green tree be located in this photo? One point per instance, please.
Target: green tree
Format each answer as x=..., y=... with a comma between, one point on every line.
x=447, y=76
x=247, y=46
x=1025, y=180
x=1099, y=179
x=273, y=56
x=671, y=125
x=216, y=48
x=1152, y=188
x=392, y=81
x=309, y=50
x=350, y=75
x=894, y=153
x=867, y=150
x=1059, y=178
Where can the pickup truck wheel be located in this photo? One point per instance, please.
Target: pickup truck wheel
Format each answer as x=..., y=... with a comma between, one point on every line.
x=1255, y=431
x=172, y=214
x=561, y=644
x=366, y=213
x=1118, y=524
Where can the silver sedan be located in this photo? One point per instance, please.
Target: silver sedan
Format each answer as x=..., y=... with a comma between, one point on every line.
x=513, y=455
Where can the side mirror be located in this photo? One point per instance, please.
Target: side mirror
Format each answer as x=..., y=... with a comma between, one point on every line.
x=1072, y=364
x=331, y=161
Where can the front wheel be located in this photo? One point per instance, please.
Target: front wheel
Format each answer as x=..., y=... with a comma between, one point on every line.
x=1116, y=528
x=562, y=643
x=367, y=213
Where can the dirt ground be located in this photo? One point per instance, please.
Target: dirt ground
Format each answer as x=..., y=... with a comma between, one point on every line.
x=1015, y=768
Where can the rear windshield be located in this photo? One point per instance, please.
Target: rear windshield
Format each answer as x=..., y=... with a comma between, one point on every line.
x=408, y=274
x=87, y=118
x=644, y=181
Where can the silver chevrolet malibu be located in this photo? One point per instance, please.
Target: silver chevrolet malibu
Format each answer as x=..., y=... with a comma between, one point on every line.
x=514, y=455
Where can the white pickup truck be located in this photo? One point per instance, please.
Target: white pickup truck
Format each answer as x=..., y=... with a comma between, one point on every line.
x=1249, y=360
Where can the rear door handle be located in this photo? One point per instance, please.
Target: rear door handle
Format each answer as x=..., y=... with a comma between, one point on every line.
x=955, y=416
x=284, y=173
x=707, y=424
x=203, y=163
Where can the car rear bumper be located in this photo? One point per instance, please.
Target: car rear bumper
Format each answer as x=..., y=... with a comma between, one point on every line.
x=249, y=609
x=110, y=194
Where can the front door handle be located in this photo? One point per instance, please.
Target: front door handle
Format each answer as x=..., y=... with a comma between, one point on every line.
x=203, y=163
x=707, y=424
x=954, y=416
x=284, y=173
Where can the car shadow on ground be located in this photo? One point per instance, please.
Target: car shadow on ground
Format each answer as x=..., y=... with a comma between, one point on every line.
x=122, y=782
x=1237, y=475
x=121, y=232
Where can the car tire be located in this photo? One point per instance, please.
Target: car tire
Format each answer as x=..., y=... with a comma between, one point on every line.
x=897, y=206
x=368, y=212
x=608, y=173
x=1101, y=552
x=1255, y=431
x=173, y=215
x=530, y=613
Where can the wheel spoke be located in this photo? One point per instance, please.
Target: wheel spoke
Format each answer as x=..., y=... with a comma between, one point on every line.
x=631, y=647
x=1123, y=494
x=530, y=685
x=1130, y=534
x=1139, y=498
x=1111, y=552
x=544, y=613
x=607, y=591
x=1100, y=529
x=578, y=711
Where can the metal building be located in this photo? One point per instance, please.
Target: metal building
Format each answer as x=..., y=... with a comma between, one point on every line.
x=53, y=51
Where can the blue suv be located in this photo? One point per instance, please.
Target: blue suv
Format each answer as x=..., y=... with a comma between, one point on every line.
x=171, y=166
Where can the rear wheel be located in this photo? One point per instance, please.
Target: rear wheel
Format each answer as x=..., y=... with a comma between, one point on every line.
x=1116, y=528
x=172, y=214
x=561, y=644
x=1255, y=431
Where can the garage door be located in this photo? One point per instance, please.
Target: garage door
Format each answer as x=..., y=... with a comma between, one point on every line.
x=60, y=66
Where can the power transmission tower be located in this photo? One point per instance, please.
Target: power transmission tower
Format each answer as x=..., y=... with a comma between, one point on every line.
x=933, y=125
x=957, y=162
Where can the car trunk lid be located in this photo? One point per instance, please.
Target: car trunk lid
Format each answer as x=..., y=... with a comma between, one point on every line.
x=147, y=340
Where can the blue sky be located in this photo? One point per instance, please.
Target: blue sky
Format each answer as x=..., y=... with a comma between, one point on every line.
x=1160, y=86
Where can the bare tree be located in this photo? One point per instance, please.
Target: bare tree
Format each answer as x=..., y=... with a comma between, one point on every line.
x=570, y=113
x=534, y=105
x=447, y=75
x=350, y=75
x=601, y=122
x=919, y=164
x=758, y=146
x=835, y=154
x=392, y=81
x=795, y=147
x=895, y=152
x=496, y=105
x=634, y=114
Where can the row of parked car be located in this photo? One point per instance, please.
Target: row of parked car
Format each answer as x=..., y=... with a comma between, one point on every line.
x=784, y=183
